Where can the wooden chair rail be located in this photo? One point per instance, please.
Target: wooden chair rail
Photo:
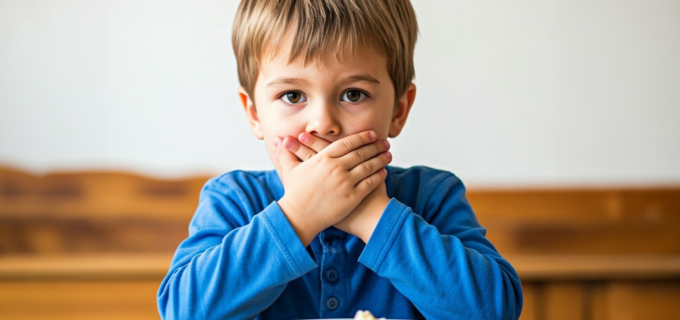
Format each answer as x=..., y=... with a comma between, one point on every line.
x=529, y=267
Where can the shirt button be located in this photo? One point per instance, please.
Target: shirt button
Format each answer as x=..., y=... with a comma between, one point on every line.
x=332, y=275
x=332, y=303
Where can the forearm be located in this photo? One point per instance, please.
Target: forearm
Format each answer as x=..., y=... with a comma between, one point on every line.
x=305, y=229
x=444, y=276
x=237, y=278
x=361, y=222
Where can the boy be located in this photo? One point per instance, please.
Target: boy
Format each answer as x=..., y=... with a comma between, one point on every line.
x=333, y=229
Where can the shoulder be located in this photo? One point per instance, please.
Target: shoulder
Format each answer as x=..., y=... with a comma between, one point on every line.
x=238, y=180
x=421, y=177
x=249, y=190
x=420, y=186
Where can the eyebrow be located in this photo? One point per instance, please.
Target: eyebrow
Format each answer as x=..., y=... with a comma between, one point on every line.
x=300, y=81
x=362, y=77
x=278, y=81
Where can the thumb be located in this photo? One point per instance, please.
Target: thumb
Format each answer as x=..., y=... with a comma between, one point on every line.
x=286, y=159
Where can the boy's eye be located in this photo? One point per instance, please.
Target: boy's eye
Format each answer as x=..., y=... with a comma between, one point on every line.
x=293, y=97
x=354, y=95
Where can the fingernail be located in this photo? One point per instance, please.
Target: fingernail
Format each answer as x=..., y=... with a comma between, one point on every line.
x=389, y=154
x=277, y=141
x=372, y=135
x=288, y=143
x=387, y=144
x=303, y=137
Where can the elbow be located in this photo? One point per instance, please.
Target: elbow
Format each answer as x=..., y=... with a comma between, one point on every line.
x=162, y=301
x=168, y=300
x=511, y=307
x=510, y=298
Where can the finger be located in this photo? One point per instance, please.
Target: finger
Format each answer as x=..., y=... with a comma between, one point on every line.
x=345, y=145
x=365, y=186
x=277, y=141
x=370, y=166
x=315, y=143
x=298, y=149
x=287, y=159
x=364, y=153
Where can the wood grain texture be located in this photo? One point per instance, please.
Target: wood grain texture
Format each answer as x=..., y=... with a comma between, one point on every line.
x=633, y=300
x=85, y=267
x=533, y=293
x=88, y=212
x=78, y=300
x=564, y=301
x=595, y=267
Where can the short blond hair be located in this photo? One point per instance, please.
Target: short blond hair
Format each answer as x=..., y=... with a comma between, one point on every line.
x=387, y=26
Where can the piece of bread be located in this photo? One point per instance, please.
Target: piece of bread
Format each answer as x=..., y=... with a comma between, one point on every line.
x=365, y=315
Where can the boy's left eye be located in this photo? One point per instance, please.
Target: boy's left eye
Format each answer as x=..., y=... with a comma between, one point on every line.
x=354, y=95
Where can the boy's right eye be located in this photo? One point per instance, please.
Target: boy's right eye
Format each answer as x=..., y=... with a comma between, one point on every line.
x=293, y=97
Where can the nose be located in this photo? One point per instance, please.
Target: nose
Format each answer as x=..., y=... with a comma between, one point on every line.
x=323, y=120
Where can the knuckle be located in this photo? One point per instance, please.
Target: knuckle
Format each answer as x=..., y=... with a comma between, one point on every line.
x=361, y=154
x=323, y=160
x=378, y=150
x=370, y=183
x=347, y=143
x=368, y=167
x=335, y=168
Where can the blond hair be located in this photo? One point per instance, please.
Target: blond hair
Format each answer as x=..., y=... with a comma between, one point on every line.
x=344, y=26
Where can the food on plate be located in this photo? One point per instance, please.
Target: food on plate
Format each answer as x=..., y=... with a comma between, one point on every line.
x=365, y=315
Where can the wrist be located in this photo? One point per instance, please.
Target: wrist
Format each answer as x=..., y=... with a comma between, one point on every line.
x=369, y=221
x=305, y=229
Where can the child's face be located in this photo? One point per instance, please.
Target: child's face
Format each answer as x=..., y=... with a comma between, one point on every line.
x=330, y=99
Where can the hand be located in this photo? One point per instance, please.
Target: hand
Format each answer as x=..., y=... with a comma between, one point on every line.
x=362, y=220
x=324, y=189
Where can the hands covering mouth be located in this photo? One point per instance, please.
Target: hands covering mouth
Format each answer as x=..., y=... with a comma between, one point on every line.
x=340, y=183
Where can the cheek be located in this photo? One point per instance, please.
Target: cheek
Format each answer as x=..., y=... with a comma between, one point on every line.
x=278, y=129
x=279, y=126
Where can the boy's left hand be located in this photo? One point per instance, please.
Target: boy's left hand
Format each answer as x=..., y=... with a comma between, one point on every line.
x=362, y=221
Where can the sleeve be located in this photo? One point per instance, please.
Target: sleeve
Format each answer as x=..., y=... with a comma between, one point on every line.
x=229, y=267
x=441, y=260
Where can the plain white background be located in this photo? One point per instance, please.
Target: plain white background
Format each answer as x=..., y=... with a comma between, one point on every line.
x=510, y=93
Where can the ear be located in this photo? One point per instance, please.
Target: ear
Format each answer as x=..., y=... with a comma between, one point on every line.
x=401, y=111
x=251, y=113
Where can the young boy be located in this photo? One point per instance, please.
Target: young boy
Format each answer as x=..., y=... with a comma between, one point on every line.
x=333, y=229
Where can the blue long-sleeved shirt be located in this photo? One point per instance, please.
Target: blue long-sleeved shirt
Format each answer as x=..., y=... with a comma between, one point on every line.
x=427, y=258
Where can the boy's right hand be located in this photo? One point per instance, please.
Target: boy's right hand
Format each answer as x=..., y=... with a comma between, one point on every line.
x=324, y=189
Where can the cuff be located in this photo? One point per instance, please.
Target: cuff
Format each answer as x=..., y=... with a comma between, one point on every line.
x=384, y=235
x=287, y=240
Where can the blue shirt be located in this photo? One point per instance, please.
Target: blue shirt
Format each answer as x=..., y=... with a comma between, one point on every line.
x=427, y=258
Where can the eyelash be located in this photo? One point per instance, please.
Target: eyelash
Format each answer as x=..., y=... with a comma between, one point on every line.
x=363, y=96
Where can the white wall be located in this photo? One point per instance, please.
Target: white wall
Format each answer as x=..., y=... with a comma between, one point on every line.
x=521, y=92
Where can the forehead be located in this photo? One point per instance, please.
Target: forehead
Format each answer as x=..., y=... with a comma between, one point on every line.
x=334, y=61
x=329, y=62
